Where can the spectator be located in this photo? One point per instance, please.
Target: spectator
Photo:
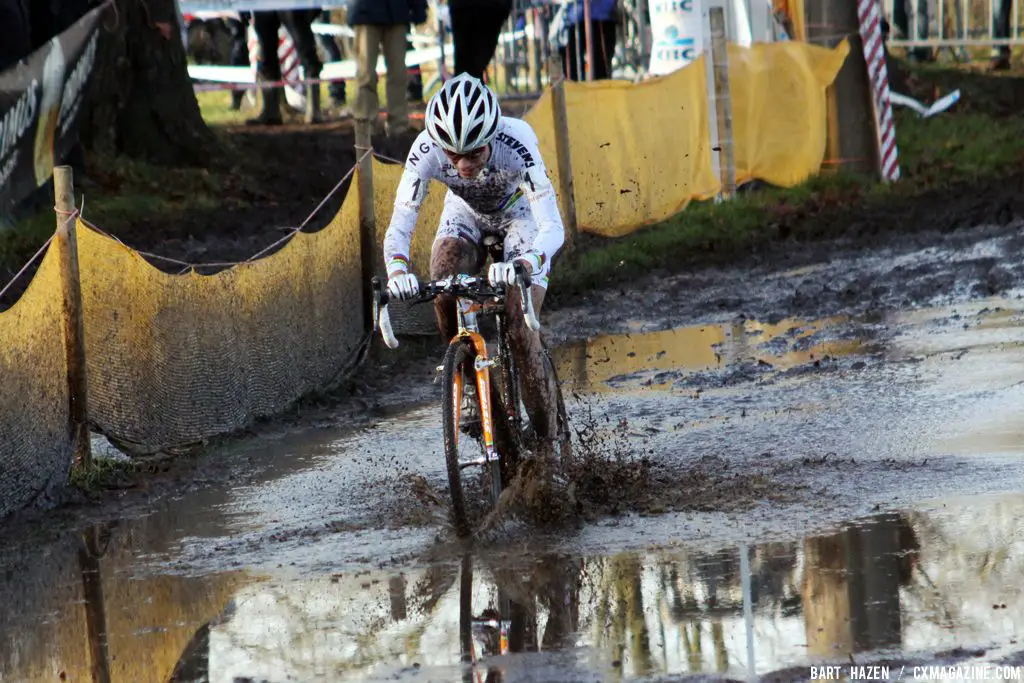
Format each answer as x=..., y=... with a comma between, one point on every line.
x=15, y=33
x=297, y=22
x=572, y=38
x=414, y=91
x=1001, y=29
x=239, y=55
x=476, y=27
x=330, y=47
x=381, y=25
x=903, y=20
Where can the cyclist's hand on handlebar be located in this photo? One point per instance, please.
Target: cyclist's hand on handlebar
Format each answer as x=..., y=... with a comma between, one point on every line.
x=505, y=273
x=501, y=275
x=403, y=286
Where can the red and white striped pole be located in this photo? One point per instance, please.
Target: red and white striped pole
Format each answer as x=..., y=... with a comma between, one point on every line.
x=869, y=13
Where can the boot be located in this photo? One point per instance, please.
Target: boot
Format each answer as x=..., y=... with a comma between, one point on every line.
x=313, y=104
x=271, y=114
x=236, y=99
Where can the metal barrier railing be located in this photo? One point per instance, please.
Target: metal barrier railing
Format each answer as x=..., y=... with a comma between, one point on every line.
x=532, y=34
x=954, y=25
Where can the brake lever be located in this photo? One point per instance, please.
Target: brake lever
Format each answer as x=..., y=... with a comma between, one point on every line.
x=524, y=281
x=378, y=295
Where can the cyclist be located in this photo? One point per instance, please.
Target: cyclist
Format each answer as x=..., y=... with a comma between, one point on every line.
x=497, y=185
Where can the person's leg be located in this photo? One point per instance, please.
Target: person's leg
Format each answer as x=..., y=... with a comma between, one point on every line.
x=900, y=17
x=239, y=55
x=604, y=48
x=330, y=47
x=267, y=25
x=397, y=79
x=491, y=22
x=464, y=39
x=456, y=250
x=414, y=89
x=573, y=55
x=1003, y=10
x=299, y=24
x=923, y=54
x=367, y=44
x=538, y=388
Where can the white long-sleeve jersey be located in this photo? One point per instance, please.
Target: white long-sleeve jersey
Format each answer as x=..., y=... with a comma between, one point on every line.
x=515, y=170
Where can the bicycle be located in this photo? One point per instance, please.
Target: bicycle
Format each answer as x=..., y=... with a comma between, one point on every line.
x=503, y=434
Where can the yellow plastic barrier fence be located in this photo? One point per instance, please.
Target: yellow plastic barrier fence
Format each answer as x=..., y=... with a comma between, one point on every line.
x=641, y=152
x=35, y=442
x=173, y=359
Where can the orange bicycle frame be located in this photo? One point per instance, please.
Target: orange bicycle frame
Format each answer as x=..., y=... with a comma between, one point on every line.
x=468, y=330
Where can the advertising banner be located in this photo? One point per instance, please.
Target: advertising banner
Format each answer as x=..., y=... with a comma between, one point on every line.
x=40, y=100
x=677, y=31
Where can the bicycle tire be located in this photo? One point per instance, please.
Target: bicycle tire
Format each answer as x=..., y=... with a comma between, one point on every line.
x=459, y=352
x=562, y=415
x=515, y=433
x=508, y=434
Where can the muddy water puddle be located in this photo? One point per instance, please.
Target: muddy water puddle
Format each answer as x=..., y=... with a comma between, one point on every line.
x=321, y=562
x=913, y=583
x=662, y=359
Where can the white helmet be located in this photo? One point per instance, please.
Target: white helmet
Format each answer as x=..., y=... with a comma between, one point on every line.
x=463, y=115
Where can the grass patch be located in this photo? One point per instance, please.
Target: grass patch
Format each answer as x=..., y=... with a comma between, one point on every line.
x=103, y=474
x=124, y=192
x=215, y=105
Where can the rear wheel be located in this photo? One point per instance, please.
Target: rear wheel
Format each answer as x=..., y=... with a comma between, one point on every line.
x=458, y=363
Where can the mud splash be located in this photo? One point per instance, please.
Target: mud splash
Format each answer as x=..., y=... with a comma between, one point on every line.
x=614, y=471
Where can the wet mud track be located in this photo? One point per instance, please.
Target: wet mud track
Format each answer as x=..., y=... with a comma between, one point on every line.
x=793, y=467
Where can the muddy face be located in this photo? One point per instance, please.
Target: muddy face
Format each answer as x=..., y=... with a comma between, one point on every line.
x=471, y=163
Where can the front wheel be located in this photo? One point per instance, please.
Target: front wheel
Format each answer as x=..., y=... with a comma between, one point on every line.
x=561, y=414
x=458, y=363
x=513, y=433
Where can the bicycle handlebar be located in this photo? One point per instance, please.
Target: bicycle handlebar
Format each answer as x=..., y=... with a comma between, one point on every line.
x=464, y=286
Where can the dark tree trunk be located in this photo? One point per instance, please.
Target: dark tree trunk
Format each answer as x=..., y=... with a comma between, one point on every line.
x=141, y=101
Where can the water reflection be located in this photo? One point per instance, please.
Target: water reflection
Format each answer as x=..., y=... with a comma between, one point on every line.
x=924, y=579
x=75, y=609
x=851, y=586
x=658, y=359
x=827, y=597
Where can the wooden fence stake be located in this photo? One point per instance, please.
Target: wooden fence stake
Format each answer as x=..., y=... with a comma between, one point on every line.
x=367, y=216
x=562, y=151
x=74, y=328
x=723, y=101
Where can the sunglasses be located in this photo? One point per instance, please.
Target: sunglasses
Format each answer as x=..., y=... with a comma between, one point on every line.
x=473, y=155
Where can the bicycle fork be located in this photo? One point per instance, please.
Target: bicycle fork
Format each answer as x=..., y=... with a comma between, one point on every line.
x=482, y=365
